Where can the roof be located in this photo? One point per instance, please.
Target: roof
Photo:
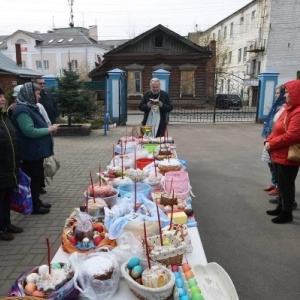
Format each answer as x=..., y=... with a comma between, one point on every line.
x=9, y=66
x=165, y=30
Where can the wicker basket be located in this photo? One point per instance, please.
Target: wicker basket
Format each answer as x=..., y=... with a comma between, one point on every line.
x=167, y=257
x=147, y=293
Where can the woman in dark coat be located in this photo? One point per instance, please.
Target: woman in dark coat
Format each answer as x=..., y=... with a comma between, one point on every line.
x=9, y=165
x=156, y=104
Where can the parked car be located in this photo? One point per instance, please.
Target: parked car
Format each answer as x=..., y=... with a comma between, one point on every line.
x=228, y=101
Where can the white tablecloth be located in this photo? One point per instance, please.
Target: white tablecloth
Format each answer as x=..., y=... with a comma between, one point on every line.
x=197, y=256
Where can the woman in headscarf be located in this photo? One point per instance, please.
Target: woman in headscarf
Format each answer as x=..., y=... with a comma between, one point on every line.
x=286, y=132
x=272, y=116
x=35, y=140
x=9, y=165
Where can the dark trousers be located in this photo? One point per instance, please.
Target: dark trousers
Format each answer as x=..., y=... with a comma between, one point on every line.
x=5, y=208
x=286, y=176
x=34, y=169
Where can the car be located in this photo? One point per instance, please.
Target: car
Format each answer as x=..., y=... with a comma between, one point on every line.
x=228, y=101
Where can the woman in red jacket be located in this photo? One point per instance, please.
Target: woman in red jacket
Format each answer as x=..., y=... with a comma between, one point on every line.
x=286, y=132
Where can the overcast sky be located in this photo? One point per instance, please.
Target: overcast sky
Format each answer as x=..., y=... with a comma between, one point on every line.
x=116, y=19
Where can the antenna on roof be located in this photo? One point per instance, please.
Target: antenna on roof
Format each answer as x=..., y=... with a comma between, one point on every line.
x=71, y=2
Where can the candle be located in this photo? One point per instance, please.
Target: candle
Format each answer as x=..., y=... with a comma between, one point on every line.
x=154, y=164
x=146, y=245
x=125, y=147
x=122, y=163
x=121, y=148
x=159, y=225
x=87, y=201
x=172, y=207
x=99, y=177
x=114, y=164
x=135, y=157
x=48, y=256
x=92, y=186
x=134, y=194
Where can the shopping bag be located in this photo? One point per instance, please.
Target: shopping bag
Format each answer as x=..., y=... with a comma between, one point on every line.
x=20, y=199
x=51, y=166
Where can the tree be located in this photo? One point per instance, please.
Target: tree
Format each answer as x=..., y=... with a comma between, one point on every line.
x=75, y=101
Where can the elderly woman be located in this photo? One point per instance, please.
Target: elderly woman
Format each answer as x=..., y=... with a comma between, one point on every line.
x=286, y=132
x=156, y=104
x=35, y=140
x=9, y=164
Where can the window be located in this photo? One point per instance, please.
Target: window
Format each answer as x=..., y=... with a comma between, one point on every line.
x=50, y=41
x=38, y=64
x=231, y=29
x=21, y=41
x=46, y=64
x=229, y=57
x=214, y=36
x=239, y=55
x=253, y=14
x=224, y=59
x=74, y=65
x=59, y=41
x=258, y=67
x=245, y=53
x=158, y=41
x=242, y=20
x=71, y=39
x=225, y=32
x=23, y=64
x=219, y=33
x=187, y=83
x=134, y=82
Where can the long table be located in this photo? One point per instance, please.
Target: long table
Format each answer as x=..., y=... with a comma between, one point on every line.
x=197, y=256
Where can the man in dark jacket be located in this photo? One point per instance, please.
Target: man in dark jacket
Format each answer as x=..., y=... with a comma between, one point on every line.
x=156, y=104
x=47, y=99
x=9, y=165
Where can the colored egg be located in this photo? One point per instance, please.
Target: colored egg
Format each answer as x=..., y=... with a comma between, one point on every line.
x=197, y=297
x=38, y=293
x=56, y=266
x=195, y=290
x=136, y=272
x=192, y=282
x=179, y=282
x=30, y=287
x=174, y=268
x=186, y=267
x=181, y=292
x=188, y=275
x=185, y=297
x=134, y=261
x=32, y=277
x=177, y=275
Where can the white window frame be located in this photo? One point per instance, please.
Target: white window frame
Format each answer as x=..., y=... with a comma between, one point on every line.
x=38, y=64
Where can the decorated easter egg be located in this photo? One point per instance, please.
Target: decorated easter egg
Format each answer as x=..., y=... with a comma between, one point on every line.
x=186, y=267
x=134, y=261
x=197, y=297
x=192, y=282
x=185, y=297
x=174, y=268
x=38, y=293
x=181, y=292
x=188, y=275
x=195, y=290
x=32, y=277
x=30, y=288
x=177, y=275
x=136, y=272
x=179, y=282
x=56, y=266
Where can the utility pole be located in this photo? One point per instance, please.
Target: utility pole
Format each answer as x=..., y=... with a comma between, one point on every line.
x=71, y=2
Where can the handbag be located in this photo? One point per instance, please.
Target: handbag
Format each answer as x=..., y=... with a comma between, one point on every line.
x=51, y=166
x=20, y=199
x=294, y=150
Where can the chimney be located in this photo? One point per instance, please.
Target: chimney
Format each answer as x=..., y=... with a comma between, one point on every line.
x=18, y=55
x=93, y=32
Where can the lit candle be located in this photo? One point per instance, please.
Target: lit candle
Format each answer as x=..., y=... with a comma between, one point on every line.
x=135, y=157
x=114, y=164
x=87, y=201
x=172, y=208
x=92, y=186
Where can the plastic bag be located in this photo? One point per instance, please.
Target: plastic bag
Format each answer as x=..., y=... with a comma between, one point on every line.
x=84, y=226
x=122, y=217
x=89, y=266
x=51, y=165
x=128, y=246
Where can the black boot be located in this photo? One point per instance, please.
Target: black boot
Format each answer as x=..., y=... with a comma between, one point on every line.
x=284, y=217
x=41, y=211
x=274, y=212
x=45, y=205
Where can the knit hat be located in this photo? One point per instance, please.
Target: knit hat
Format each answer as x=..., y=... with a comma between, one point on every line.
x=1, y=92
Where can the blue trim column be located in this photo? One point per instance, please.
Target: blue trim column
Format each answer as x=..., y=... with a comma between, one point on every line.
x=268, y=81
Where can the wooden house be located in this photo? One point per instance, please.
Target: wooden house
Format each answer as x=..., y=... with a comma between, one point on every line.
x=191, y=67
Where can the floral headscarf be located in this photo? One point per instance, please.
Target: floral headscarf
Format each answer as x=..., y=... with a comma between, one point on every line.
x=27, y=94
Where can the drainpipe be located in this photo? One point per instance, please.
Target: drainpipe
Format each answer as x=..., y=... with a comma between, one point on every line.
x=42, y=60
